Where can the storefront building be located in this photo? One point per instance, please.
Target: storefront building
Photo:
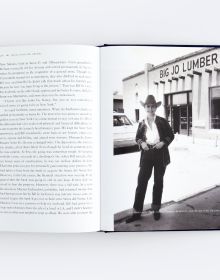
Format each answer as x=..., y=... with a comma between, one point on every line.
x=189, y=88
x=118, y=102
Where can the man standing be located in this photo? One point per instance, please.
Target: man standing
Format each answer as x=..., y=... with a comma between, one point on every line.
x=153, y=136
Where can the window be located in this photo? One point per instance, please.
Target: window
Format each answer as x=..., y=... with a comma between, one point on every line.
x=137, y=115
x=215, y=107
x=178, y=110
x=179, y=99
x=121, y=120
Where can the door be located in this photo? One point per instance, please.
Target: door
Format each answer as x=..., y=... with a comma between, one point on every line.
x=178, y=109
x=176, y=119
x=183, y=120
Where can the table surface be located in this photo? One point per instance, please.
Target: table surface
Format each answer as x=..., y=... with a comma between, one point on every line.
x=175, y=255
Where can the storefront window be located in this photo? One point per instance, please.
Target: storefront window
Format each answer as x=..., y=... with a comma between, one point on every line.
x=178, y=109
x=215, y=107
x=179, y=99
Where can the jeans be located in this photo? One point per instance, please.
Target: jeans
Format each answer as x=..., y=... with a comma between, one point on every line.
x=152, y=158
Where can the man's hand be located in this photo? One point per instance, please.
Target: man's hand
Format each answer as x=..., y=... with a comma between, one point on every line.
x=144, y=146
x=159, y=145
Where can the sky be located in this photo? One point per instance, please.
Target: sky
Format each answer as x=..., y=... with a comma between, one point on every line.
x=120, y=62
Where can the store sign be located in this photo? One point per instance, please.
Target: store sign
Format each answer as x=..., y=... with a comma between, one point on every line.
x=190, y=65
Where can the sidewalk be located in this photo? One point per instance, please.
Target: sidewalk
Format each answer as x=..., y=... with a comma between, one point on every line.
x=194, y=167
x=201, y=211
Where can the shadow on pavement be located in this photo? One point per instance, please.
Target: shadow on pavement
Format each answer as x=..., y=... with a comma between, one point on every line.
x=197, y=212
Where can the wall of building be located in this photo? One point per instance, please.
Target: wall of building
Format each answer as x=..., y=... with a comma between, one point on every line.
x=196, y=72
x=190, y=74
x=135, y=88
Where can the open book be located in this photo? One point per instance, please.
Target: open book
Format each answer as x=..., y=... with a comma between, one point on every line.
x=75, y=122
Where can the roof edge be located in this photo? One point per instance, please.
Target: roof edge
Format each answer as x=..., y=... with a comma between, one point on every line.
x=203, y=50
x=133, y=75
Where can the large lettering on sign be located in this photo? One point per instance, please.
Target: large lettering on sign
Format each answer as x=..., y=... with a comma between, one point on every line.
x=189, y=65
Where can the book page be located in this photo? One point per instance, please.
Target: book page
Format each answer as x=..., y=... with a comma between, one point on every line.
x=49, y=139
x=160, y=131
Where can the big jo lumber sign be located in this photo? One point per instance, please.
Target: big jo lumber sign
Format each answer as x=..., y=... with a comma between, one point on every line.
x=189, y=65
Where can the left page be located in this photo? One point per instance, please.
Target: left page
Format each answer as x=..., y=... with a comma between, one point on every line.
x=49, y=139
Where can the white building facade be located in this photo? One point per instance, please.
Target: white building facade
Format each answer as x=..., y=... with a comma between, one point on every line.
x=189, y=88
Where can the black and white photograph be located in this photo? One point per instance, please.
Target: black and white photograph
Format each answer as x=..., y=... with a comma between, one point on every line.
x=166, y=146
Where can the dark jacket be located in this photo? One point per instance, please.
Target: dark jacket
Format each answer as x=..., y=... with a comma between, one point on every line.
x=165, y=133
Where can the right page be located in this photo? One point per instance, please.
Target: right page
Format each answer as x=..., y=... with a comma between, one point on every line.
x=160, y=146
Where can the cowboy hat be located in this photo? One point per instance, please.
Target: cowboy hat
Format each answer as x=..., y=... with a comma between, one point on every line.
x=150, y=100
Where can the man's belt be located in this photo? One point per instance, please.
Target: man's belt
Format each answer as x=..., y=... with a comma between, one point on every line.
x=151, y=147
